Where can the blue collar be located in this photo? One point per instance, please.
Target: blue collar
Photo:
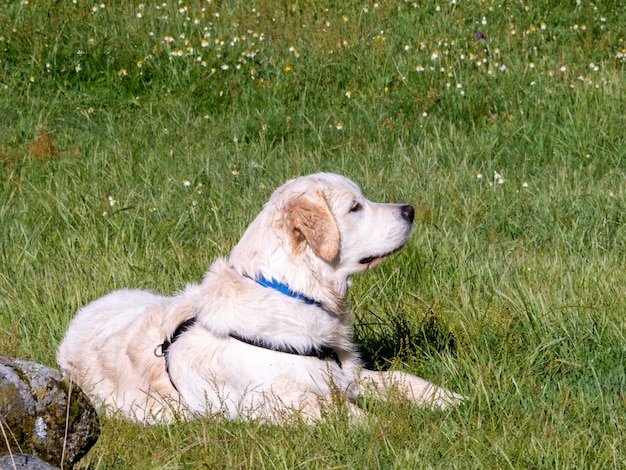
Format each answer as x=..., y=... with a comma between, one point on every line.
x=284, y=289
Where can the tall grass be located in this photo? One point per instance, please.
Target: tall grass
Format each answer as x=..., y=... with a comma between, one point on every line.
x=137, y=141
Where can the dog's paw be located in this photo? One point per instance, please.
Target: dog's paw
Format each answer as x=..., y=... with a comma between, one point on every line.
x=442, y=399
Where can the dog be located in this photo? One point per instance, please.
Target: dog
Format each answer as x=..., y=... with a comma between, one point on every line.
x=266, y=335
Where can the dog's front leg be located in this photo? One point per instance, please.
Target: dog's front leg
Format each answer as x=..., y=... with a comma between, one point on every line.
x=416, y=389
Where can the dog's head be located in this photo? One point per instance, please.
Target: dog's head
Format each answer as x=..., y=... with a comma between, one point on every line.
x=320, y=229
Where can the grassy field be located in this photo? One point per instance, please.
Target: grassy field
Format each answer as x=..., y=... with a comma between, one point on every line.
x=137, y=141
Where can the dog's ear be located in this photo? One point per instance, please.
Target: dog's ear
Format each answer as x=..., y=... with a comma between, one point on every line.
x=310, y=220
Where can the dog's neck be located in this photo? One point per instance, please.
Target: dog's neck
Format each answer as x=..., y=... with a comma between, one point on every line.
x=286, y=290
x=302, y=271
x=336, y=305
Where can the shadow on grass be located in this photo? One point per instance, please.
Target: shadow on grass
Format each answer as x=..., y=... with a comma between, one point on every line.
x=385, y=340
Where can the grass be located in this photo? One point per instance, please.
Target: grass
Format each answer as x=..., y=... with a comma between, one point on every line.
x=137, y=141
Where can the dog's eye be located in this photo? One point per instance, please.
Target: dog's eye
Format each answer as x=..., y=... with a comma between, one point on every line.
x=356, y=207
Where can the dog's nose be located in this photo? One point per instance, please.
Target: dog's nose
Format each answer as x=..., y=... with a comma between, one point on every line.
x=407, y=213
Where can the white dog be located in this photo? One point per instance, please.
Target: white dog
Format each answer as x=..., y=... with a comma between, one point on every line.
x=266, y=335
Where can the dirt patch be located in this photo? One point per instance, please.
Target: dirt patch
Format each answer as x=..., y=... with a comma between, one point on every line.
x=44, y=146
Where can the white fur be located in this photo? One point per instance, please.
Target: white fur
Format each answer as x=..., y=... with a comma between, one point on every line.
x=313, y=235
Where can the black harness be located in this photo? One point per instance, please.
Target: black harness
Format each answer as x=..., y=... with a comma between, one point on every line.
x=163, y=348
x=322, y=352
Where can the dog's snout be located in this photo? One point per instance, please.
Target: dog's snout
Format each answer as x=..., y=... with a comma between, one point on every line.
x=407, y=213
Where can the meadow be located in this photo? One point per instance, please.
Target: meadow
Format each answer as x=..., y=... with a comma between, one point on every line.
x=138, y=140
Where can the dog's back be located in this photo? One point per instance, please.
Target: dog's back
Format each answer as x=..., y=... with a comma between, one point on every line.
x=109, y=351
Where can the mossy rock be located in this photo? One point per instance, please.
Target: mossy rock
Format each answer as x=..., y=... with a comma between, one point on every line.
x=43, y=415
x=23, y=462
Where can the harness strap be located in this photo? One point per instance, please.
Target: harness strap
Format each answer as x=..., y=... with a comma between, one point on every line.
x=165, y=345
x=322, y=352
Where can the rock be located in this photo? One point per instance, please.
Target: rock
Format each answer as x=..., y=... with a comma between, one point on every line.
x=23, y=462
x=35, y=417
